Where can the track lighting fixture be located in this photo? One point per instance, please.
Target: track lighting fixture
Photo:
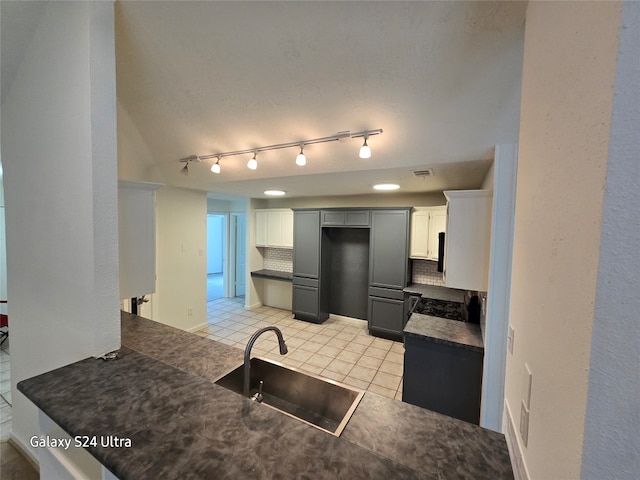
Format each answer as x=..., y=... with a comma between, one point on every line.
x=301, y=160
x=253, y=163
x=365, y=151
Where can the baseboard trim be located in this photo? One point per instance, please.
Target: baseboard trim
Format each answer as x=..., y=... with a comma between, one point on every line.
x=254, y=306
x=197, y=327
x=520, y=471
x=24, y=451
x=357, y=321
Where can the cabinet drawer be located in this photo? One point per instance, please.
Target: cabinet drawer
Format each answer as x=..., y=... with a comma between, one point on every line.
x=386, y=293
x=306, y=282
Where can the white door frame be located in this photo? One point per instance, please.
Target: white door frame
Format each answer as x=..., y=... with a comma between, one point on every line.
x=497, y=324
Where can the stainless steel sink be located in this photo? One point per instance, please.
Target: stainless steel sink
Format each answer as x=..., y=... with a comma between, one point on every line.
x=323, y=403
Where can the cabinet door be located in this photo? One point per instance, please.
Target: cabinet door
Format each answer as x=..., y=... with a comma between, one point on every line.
x=332, y=218
x=420, y=234
x=287, y=229
x=306, y=243
x=389, y=248
x=274, y=229
x=357, y=218
x=386, y=316
x=437, y=224
x=468, y=239
x=306, y=302
x=261, y=229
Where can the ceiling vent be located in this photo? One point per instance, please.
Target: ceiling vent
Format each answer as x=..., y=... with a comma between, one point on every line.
x=427, y=172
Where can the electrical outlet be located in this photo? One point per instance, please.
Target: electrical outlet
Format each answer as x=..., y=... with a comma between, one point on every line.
x=189, y=312
x=510, y=339
x=524, y=423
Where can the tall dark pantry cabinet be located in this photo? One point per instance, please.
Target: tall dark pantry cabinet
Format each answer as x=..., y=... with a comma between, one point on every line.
x=352, y=262
x=388, y=272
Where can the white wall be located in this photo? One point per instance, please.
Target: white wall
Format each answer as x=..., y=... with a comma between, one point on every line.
x=613, y=410
x=181, y=243
x=135, y=161
x=568, y=77
x=3, y=248
x=60, y=176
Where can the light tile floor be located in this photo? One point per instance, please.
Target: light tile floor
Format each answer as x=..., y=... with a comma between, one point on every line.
x=340, y=348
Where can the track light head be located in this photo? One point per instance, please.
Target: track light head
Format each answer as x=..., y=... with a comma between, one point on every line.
x=253, y=163
x=365, y=151
x=215, y=168
x=301, y=160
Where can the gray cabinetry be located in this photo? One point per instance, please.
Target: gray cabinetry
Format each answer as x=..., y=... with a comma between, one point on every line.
x=388, y=271
x=443, y=377
x=345, y=218
x=386, y=316
x=389, y=248
x=306, y=243
x=307, y=301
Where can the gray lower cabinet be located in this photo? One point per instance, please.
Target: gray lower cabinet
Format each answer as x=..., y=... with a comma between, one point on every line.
x=306, y=302
x=444, y=378
x=386, y=317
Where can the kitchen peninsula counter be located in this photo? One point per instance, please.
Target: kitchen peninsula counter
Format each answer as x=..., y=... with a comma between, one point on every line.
x=441, y=330
x=436, y=292
x=160, y=394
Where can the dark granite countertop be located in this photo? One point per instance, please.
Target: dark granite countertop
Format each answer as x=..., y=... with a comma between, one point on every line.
x=436, y=292
x=159, y=393
x=442, y=330
x=273, y=275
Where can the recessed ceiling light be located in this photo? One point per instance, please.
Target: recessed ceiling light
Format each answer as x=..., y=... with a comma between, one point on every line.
x=275, y=193
x=386, y=186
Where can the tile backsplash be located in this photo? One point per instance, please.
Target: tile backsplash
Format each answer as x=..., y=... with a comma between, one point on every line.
x=279, y=259
x=426, y=272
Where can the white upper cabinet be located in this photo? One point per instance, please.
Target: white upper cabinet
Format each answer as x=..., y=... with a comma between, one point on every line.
x=468, y=239
x=426, y=224
x=137, y=238
x=274, y=228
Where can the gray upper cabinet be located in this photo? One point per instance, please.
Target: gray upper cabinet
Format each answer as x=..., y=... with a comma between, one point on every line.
x=346, y=218
x=388, y=249
x=306, y=243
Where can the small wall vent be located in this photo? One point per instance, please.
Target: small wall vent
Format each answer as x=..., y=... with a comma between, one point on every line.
x=428, y=172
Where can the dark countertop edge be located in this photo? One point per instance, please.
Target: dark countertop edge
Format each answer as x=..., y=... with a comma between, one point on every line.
x=436, y=292
x=426, y=327
x=273, y=275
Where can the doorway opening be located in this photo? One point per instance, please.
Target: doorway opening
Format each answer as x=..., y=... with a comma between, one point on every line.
x=237, y=254
x=216, y=249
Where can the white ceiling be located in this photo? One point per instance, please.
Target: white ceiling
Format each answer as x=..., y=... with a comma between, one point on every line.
x=442, y=79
